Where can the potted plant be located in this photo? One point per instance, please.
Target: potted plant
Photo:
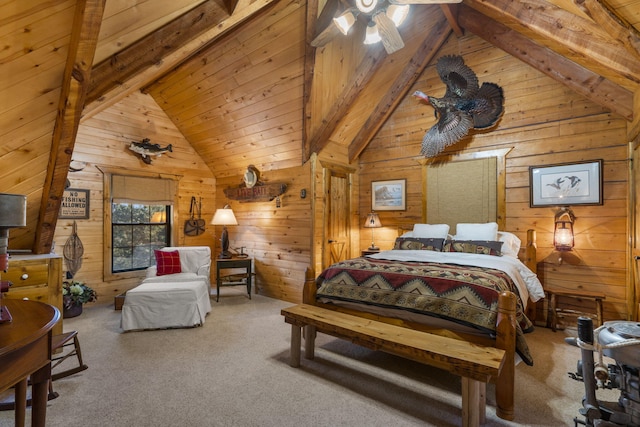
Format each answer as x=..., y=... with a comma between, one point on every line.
x=74, y=294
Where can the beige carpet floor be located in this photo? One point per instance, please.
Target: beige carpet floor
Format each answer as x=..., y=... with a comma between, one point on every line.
x=234, y=371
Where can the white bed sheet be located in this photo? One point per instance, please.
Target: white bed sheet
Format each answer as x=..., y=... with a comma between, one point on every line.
x=158, y=305
x=525, y=280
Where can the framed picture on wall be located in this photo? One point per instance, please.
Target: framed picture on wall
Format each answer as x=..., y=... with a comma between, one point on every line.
x=389, y=195
x=75, y=204
x=566, y=184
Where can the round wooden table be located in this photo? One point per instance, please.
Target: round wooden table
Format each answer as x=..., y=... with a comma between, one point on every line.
x=25, y=351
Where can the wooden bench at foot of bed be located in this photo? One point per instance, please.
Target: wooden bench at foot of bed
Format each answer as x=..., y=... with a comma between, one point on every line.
x=475, y=364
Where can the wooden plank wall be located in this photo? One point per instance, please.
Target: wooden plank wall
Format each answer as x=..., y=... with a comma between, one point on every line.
x=278, y=239
x=102, y=142
x=545, y=123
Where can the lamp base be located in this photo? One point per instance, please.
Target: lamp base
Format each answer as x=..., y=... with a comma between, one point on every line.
x=225, y=255
x=373, y=248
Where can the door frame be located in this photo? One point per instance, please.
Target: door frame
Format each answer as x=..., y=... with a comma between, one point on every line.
x=328, y=169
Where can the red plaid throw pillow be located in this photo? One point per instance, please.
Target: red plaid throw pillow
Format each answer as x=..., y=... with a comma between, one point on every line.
x=167, y=262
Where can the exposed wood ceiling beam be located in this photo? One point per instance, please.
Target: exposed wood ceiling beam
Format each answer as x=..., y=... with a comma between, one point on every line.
x=577, y=34
x=399, y=89
x=309, y=63
x=172, y=59
x=77, y=72
x=366, y=70
x=152, y=48
x=583, y=81
x=451, y=13
x=613, y=24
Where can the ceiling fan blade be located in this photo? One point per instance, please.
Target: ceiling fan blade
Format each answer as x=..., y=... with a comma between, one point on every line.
x=389, y=34
x=423, y=1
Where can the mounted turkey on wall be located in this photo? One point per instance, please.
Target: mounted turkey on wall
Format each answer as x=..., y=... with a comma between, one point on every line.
x=465, y=105
x=382, y=18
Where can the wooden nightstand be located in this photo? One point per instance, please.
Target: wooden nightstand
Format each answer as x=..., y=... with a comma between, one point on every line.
x=597, y=297
x=370, y=252
x=237, y=279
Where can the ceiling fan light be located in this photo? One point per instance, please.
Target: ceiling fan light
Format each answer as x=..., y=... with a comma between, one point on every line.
x=366, y=6
x=398, y=13
x=345, y=21
x=372, y=36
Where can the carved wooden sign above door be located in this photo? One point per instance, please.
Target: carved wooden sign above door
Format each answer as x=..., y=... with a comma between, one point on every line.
x=254, y=190
x=257, y=193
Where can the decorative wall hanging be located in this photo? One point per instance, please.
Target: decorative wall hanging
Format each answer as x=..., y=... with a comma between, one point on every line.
x=74, y=204
x=146, y=150
x=465, y=105
x=254, y=190
x=194, y=226
x=389, y=195
x=566, y=184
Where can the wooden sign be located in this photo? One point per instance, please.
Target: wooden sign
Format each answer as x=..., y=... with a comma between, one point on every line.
x=257, y=193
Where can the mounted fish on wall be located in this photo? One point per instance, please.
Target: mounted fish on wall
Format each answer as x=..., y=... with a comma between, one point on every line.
x=465, y=105
x=146, y=150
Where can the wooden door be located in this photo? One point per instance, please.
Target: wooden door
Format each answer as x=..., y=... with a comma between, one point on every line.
x=337, y=213
x=634, y=288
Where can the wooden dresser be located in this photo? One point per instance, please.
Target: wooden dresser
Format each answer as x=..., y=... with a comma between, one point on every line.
x=37, y=277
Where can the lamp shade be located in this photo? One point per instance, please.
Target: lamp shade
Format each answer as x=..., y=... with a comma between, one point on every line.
x=372, y=221
x=372, y=36
x=159, y=217
x=398, y=13
x=224, y=216
x=13, y=210
x=345, y=21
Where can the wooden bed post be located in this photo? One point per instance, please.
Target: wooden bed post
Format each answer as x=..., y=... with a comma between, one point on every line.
x=530, y=251
x=506, y=340
x=309, y=289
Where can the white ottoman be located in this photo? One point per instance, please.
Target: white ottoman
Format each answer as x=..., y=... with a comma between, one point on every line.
x=157, y=305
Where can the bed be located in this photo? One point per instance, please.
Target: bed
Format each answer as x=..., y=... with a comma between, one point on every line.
x=446, y=285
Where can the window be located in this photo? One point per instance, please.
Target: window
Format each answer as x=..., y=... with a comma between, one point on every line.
x=139, y=213
x=136, y=230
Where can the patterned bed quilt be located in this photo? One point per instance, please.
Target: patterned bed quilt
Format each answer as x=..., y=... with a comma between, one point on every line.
x=464, y=294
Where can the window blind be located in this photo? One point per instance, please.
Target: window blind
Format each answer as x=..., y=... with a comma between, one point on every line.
x=135, y=189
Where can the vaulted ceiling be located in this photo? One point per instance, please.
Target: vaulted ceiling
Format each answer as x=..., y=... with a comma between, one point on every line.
x=243, y=83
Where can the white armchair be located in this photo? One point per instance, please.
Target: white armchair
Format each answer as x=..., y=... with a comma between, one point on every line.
x=174, y=300
x=195, y=263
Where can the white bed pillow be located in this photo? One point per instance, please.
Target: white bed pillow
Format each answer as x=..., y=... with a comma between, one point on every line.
x=477, y=231
x=511, y=243
x=431, y=231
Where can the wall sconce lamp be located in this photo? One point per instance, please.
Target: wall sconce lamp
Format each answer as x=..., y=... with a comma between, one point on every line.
x=563, y=231
x=224, y=217
x=373, y=221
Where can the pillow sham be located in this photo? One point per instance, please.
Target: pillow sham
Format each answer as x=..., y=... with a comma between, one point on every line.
x=511, y=243
x=418, y=243
x=167, y=262
x=432, y=231
x=482, y=247
x=477, y=231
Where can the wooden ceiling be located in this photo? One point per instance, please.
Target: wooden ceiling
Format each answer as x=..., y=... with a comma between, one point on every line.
x=241, y=81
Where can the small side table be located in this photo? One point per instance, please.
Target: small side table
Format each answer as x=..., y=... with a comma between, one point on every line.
x=233, y=279
x=597, y=297
x=370, y=252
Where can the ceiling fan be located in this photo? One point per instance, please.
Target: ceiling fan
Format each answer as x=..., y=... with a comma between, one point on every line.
x=382, y=17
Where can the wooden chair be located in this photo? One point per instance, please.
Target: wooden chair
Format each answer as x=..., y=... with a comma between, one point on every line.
x=68, y=344
x=59, y=344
